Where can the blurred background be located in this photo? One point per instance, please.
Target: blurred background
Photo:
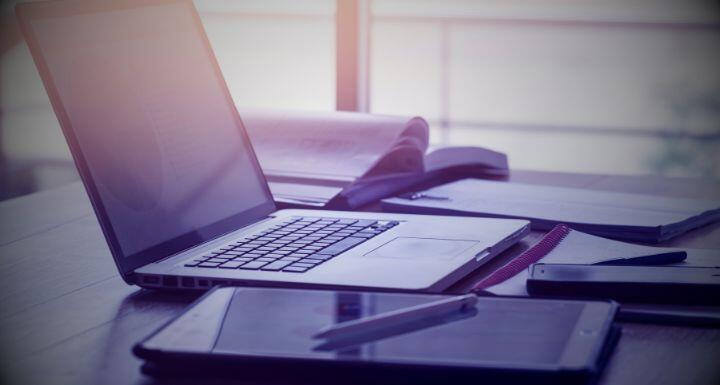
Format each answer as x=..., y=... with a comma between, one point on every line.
x=606, y=87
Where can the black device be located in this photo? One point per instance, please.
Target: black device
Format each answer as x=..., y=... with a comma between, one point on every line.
x=267, y=334
x=650, y=284
x=173, y=178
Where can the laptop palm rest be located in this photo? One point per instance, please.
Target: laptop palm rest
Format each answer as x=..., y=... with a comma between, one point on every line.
x=414, y=248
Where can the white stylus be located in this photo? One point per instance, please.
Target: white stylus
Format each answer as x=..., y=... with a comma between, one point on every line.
x=400, y=316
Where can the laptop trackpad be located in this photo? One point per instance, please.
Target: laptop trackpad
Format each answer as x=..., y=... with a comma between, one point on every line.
x=407, y=247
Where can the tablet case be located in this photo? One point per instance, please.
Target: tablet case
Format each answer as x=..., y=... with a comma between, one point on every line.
x=303, y=370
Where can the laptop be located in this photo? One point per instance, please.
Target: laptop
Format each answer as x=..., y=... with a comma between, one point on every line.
x=175, y=184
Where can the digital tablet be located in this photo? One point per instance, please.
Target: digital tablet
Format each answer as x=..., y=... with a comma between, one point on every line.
x=267, y=334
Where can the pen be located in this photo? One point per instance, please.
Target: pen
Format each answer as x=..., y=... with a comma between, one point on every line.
x=654, y=259
x=422, y=195
x=671, y=315
x=400, y=316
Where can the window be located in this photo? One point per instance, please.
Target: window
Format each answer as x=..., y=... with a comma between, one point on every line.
x=618, y=86
x=629, y=87
x=274, y=54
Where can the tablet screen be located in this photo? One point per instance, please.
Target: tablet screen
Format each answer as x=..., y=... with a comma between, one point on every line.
x=499, y=331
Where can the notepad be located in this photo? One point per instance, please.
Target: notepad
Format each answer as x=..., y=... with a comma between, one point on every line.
x=630, y=217
x=564, y=245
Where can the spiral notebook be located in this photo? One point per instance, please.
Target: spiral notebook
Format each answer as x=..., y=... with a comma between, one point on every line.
x=564, y=245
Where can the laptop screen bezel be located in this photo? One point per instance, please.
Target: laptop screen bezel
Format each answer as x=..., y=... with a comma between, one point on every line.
x=126, y=264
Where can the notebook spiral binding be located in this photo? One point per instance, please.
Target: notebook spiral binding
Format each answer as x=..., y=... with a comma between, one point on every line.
x=530, y=256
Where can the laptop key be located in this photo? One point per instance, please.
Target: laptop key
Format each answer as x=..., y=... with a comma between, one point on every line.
x=319, y=257
x=254, y=265
x=231, y=265
x=341, y=246
x=365, y=222
x=310, y=261
x=295, y=269
x=298, y=255
x=305, y=265
x=276, y=266
x=209, y=264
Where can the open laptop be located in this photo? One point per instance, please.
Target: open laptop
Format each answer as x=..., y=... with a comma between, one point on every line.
x=175, y=183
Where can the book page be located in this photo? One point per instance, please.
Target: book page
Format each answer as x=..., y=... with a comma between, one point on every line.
x=303, y=194
x=336, y=146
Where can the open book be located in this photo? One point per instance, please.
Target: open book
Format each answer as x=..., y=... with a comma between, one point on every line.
x=344, y=160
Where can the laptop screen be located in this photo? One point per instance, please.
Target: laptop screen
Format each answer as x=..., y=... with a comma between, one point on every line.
x=148, y=116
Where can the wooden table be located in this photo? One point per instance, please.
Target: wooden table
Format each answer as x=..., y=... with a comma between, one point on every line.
x=66, y=317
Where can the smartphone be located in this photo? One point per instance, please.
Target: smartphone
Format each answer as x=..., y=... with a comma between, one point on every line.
x=648, y=284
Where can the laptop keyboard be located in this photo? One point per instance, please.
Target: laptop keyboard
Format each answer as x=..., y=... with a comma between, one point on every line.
x=295, y=246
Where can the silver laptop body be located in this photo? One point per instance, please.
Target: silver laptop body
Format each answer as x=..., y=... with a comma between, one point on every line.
x=174, y=181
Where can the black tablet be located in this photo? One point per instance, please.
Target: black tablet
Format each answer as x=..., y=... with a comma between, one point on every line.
x=256, y=333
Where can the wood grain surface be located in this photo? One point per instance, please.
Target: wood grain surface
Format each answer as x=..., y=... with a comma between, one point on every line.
x=66, y=317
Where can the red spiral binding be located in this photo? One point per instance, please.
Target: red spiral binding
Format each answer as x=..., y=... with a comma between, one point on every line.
x=530, y=256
